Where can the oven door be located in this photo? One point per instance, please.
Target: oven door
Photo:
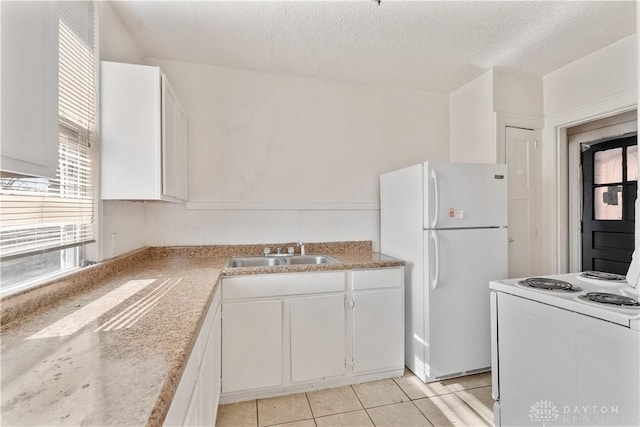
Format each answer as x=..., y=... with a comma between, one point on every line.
x=564, y=368
x=495, y=359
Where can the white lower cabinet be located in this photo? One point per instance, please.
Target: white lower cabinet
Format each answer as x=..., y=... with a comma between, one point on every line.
x=252, y=345
x=377, y=304
x=378, y=330
x=292, y=331
x=216, y=375
x=209, y=379
x=195, y=402
x=194, y=412
x=317, y=337
x=275, y=333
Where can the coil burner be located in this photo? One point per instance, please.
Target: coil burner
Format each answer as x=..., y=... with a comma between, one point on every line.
x=610, y=299
x=601, y=275
x=548, y=284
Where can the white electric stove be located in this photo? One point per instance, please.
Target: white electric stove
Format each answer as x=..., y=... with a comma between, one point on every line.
x=566, y=351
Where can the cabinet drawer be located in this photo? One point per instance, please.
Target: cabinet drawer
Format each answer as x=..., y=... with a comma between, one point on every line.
x=270, y=285
x=375, y=279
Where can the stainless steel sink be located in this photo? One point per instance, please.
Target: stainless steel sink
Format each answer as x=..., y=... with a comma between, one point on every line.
x=310, y=259
x=254, y=261
x=273, y=261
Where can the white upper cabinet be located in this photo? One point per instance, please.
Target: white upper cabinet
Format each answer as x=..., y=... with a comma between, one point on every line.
x=30, y=87
x=143, y=135
x=174, y=152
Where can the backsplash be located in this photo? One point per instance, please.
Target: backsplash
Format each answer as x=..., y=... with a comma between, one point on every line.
x=256, y=249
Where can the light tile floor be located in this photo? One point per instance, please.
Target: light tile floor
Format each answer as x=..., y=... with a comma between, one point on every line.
x=404, y=401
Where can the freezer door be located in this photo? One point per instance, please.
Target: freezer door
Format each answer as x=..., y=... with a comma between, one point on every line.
x=459, y=264
x=461, y=195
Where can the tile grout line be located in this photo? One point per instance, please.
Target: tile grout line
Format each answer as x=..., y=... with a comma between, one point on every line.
x=398, y=385
x=257, y=414
x=341, y=412
x=423, y=414
x=469, y=406
x=361, y=404
x=412, y=402
x=313, y=417
x=444, y=394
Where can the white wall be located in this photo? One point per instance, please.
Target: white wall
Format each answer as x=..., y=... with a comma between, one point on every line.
x=472, y=111
x=595, y=86
x=122, y=223
x=116, y=43
x=276, y=157
x=596, y=76
x=519, y=94
x=471, y=121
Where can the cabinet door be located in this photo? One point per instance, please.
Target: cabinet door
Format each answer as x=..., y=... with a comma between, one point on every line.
x=30, y=87
x=216, y=346
x=174, y=149
x=192, y=418
x=317, y=337
x=183, y=403
x=131, y=132
x=209, y=377
x=378, y=342
x=251, y=345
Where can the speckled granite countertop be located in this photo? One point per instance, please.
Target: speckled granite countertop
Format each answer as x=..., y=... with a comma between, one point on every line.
x=108, y=345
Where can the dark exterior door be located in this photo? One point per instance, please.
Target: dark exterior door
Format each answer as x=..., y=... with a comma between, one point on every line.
x=610, y=183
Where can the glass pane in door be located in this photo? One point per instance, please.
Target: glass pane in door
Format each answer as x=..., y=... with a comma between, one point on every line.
x=632, y=163
x=607, y=202
x=607, y=166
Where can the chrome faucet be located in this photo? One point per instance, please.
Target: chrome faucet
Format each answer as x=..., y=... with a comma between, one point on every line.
x=291, y=250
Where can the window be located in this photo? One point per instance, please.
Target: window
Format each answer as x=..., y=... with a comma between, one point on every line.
x=45, y=221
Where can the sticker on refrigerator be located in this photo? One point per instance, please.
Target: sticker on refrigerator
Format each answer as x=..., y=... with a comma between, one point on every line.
x=456, y=213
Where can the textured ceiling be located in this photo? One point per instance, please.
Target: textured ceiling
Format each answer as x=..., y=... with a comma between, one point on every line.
x=430, y=45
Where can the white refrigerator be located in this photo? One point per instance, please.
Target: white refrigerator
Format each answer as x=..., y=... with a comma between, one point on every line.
x=448, y=221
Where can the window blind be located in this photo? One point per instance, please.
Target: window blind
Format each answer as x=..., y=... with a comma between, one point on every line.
x=41, y=214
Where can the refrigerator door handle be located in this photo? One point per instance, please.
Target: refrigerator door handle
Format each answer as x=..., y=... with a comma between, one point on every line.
x=436, y=195
x=437, y=256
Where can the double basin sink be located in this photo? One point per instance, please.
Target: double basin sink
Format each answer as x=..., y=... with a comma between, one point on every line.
x=274, y=261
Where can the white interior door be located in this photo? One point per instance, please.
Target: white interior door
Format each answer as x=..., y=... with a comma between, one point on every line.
x=522, y=154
